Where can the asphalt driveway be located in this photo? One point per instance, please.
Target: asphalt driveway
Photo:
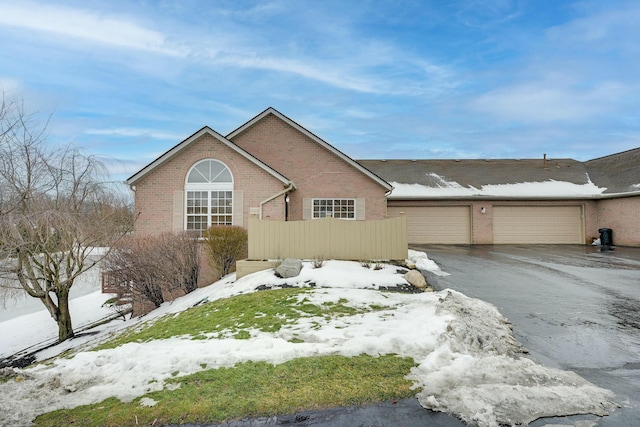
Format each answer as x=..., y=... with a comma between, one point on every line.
x=573, y=307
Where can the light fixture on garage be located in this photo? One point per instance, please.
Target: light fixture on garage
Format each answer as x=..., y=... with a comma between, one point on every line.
x=483, y=210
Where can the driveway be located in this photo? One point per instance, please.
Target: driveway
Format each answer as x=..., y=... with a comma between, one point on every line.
x=573, y=307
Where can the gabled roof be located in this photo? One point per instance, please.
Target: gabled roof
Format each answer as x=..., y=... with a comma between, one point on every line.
x=314, y=138
x=492, y=178
x=616, y=175
x=619, y=172
x=184, y=144
x=479, y=172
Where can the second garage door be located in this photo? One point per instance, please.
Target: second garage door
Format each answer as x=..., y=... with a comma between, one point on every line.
x=436, y=224
x=537, y=225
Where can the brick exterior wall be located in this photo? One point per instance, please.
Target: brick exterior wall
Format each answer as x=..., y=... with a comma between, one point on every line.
x=316, y=172
x=155, y=192
x=621, y=216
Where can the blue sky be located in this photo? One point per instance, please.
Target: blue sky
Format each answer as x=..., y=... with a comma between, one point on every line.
x=128, y=80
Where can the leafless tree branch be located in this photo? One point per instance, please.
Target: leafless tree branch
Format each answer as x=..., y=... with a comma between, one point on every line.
x=55, y=210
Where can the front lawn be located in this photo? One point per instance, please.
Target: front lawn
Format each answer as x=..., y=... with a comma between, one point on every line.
x=252, y=389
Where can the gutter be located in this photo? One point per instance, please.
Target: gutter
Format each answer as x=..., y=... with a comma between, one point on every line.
x=388, y=193
x=516, y=197
x=286, y=190
x=618, y=195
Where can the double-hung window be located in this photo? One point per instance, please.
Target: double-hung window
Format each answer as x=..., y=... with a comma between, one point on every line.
x=209, y=196
x=337, y=208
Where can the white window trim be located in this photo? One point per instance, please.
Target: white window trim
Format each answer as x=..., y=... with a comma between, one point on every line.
x=208, y=187
x=355, y=206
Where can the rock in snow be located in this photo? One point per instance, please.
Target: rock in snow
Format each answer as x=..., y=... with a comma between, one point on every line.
x=415, y=278
x=290, y=267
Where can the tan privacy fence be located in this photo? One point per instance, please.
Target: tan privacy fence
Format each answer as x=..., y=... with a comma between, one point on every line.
x=328, y=238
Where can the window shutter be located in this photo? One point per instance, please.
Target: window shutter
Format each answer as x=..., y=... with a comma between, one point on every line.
x=360, y=209
x=238, y=208
x=178, y=211
x=306, y=209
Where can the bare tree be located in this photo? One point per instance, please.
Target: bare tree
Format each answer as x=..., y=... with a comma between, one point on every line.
x=56, y=208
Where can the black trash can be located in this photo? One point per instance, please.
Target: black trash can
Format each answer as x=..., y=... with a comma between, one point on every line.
x=606, y=238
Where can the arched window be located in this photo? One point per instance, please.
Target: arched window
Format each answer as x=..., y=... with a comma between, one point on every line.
x=209, y=195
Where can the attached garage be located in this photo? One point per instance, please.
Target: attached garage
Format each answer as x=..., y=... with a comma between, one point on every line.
x=436, y=224
x=538, y=225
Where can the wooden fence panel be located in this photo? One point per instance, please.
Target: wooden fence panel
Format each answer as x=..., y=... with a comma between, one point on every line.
x=328, y=238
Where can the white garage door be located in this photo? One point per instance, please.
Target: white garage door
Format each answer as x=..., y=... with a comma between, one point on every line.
x=436, y=224
x=537, y=225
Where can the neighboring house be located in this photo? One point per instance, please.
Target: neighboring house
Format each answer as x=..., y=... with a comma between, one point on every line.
x=270, y=168
x=516, y=201
x=273, y=168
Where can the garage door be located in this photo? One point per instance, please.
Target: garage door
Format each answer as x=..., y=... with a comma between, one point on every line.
x=436, y=224
x=537, y=224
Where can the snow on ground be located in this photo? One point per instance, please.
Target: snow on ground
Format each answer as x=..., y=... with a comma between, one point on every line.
x=24, y=331
x=422, y=262
x=87, y=283
x=25, y=323
x=469, y=362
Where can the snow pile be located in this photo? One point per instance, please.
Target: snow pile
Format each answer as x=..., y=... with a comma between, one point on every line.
x=422, y=262
x=479, y=372
x=469, y=362
x=446, y=188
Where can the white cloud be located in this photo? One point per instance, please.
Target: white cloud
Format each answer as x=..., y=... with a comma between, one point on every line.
x=333, y=76
x=615, y=28
x=86, y=25
x=344, y=60
x=545, y=101
x=134, y=132
x=9, y=86
x=485, y=14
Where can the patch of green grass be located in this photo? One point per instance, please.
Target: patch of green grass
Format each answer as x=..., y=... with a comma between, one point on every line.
x=110, y=301
x=266, y=311
x=254, y=389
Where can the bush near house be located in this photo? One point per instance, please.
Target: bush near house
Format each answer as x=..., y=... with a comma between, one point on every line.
x=225, y=245
x=151, y=269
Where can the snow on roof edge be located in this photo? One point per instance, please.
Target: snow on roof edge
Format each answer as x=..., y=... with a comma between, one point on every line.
x=526, y=190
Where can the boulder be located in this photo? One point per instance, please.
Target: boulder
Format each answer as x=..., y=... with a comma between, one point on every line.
x=415, y=278
x=290, y=267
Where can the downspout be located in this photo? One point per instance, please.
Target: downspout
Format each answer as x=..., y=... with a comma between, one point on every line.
x=386, y=202
x=286, y=190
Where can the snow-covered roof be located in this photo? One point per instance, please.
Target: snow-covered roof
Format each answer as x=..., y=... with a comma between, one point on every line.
x=524, y=190
x=509, y=178
x=619, y=172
